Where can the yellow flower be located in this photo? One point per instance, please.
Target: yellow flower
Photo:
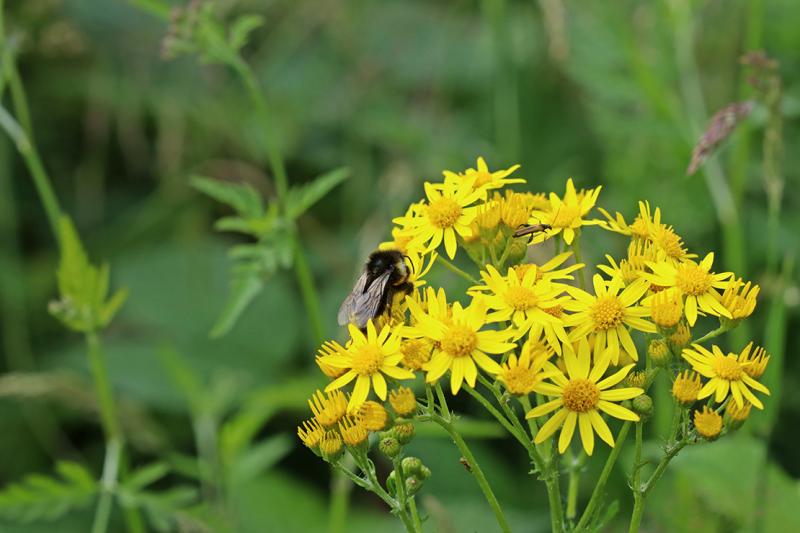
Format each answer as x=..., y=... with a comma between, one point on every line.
x=631, y=268
x=445, y=214
x=726, y=374
x=416, y=352
x=401, y=240
x=525, y=302
x=739, y=298
x=607, y=313
x=310, y=433
x=520, y=376
x=695, y=282
x=549, y=270
x=756, y=363
x=738, y=414
x=686, y=387
x=403, y=401
x=666, y=308
x=367, y=359
x=418, y=268
x=708, y=423
x=352, y=431
x=328, y=408
x=329, y=348
x=681, y=337
x=580, y=397
x=481, y=178
x=373, y=415
x=566, y=215
x=331, y=445
x=659, y=353
x=460, y=343
x=639, y=229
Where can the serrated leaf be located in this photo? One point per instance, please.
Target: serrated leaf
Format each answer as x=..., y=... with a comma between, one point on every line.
x=243, y=198
x=83, y=288
x=300, y=199
x=246, y=284
x=39, y=497
x=241, y=28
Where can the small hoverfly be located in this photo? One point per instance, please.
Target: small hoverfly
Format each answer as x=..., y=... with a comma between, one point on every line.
x=385, y=275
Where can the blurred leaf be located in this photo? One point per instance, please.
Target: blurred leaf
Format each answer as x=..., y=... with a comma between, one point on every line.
x=163, y=509
x=238, y=432
x=144, y=476
x=259, y=458
x=728, y=491
x=246, y=284
x=243, y=198
x=39, y=497
x=241, y=28
x=300, y=199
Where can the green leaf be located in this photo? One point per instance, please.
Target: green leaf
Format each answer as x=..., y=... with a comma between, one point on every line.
x=300, y=199
x=38, y=497
x=243, y=198
x=145, y=476
x=83, y=288
x=241, y=28
x=259, y=458
x=247, y=283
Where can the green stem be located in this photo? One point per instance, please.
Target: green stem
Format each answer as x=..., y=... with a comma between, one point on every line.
x=452, y=268
x=662, y=465
x=495, y=413
x=599, y=488
x=105, y=396
x=402, y=498
x=276, y=163
x=31, y=157
x=575, y=464
x=711, y=334
x=340, y=500
x=108, y=484
x=479, y=476
x=445, y=410
x=548, y=472
x=445, y=422
x=308, y=290
x=638, y=496
x=412, y=507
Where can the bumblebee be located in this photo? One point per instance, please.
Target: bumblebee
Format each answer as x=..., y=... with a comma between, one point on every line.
x=385, y=274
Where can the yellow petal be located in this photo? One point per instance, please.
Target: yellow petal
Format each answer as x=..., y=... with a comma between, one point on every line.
x=567, y=431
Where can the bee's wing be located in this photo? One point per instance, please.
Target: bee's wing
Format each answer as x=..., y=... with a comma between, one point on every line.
x=363, y=304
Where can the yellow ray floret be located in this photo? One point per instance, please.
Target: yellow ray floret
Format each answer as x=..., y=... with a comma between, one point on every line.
x=580, y=396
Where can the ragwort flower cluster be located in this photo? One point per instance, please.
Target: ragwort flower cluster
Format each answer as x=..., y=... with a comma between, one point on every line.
x=555, y=354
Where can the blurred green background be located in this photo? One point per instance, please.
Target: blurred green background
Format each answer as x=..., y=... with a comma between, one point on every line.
x=610, y=93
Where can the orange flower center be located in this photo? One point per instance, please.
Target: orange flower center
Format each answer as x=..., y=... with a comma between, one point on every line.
x=367, y=360
x=607, y=313
x=521, y=298
x=692, y=279
x=459, y=341
x=444, y=212
x=581, y=395
x=727, y=367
